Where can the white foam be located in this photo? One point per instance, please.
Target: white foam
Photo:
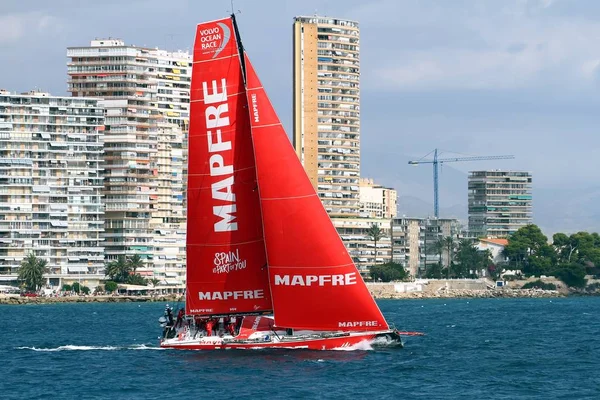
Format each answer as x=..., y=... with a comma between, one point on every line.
x=71, y=347
x=362, y=345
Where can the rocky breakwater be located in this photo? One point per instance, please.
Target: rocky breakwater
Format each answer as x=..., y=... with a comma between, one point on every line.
x=88, y=299
x=389, y=291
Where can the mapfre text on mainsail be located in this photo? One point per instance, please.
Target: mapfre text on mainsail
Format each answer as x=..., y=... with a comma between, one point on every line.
x=221, y=189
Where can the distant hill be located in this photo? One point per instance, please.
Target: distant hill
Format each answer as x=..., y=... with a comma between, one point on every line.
x=416, y=207
x=557, y=209
x=567, y=210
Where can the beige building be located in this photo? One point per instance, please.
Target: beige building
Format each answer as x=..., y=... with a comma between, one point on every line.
x=361, y=246
x=413, y=242
x=145, y=94
x=376, y=201
x=327, y=109
x=51, y=186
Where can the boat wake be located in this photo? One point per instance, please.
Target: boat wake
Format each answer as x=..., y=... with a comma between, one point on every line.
x=71, y=347
x=365, y=345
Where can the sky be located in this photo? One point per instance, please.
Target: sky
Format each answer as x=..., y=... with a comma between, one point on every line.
x=477, y=78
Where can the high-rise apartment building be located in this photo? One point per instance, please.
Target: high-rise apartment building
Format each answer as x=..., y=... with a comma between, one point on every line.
x=414, y=242
x=377, y=201
x=499, y=202
x=145, y=94
x=327, y=109
x=51, y=185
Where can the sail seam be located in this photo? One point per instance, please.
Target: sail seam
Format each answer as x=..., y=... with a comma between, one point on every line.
x=235, y=170
x=320, y=266
x=288, y=198
x=223, y=244
x=228, y=96
x=214, y=59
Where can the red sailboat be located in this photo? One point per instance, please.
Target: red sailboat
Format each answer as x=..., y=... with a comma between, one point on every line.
x=265, y=266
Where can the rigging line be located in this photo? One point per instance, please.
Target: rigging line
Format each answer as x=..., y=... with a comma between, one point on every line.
x=422, y=158
x=288, y=198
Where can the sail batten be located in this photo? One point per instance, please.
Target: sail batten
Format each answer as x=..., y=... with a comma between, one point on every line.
x=314, y=283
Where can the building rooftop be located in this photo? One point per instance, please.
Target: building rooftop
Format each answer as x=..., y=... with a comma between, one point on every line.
x=500, y=242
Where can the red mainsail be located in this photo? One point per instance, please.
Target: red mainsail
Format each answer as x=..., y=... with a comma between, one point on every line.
x=226, y=262
x=314, y=283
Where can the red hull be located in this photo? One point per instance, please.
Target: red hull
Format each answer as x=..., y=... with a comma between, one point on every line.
x=345, y=342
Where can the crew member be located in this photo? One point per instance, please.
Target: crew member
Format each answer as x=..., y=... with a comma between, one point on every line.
x=179, y=322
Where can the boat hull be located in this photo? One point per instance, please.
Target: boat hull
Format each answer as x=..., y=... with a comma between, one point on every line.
x=330, y=341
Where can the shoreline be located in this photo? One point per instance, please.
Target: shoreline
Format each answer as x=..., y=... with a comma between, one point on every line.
x=476, y=294
x=90, y=299
x=443, y=294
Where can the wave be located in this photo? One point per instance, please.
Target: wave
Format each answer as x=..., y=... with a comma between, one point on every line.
x=71, y=347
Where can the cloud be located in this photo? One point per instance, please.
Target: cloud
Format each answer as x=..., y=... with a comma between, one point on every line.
x=478, y=45
x=11, y=28
x=19, y=26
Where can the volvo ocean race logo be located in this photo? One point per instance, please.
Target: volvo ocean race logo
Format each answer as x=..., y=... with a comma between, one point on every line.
x=215, y=39
x=226, y=262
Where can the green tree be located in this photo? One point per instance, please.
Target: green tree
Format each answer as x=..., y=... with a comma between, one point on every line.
x=67, y=287
x=564, y=246
x=439, y=246
x=450, y=246
x=31, y=272
x=376, y=234
x=76, y=287
x=522, y=244
x=573, y=275
x=137, y=279
x=467, y=258
x=588, y=248
x=135, y=262
x=154, y=281
x=388, y=272
x=118, y=270
x=110, y=286
x=435, y=271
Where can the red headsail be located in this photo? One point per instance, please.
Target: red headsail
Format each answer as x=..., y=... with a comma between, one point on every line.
x=226, y=262
x=314, y=283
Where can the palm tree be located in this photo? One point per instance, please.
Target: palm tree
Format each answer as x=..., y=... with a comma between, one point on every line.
x=376, y=234
x=135, y=262
x=450, y=246
x=154, y=282
x=439, y=246
x=118, y=270
x=32, y=272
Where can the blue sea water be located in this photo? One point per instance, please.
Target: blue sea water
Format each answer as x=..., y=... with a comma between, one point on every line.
x=473, y=349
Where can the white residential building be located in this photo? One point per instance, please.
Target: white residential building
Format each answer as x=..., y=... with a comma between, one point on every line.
x=51, y=185
x=500, y=202
x=145, y=94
